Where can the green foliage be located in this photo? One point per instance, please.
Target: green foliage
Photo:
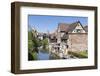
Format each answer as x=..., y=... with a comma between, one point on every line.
x=81, y=54
x=32, y=55
x=30, y=43
x=32, y=46
x=29, y=35
x=45, y=43
x=84, y=53
x=32, y=50
x=34, y=43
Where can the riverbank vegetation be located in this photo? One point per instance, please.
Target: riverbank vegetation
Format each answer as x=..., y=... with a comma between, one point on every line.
x=32, y=55
x=79, y=54
x=34, y=45
x=45, y=44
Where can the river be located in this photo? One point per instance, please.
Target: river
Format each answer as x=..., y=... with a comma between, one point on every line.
x=42, y=55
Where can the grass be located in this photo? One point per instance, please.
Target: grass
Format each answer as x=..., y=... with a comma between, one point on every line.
x=79, y=54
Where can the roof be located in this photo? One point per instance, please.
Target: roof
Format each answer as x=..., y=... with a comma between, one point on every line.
x=86, y=28
x=72, y=26
x=68, y=27
x=63, y=26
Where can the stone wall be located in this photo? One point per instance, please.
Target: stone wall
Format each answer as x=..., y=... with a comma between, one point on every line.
x=78, y=42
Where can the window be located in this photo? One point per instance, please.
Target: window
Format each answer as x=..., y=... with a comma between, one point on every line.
x=78, y=30
x=67, y=46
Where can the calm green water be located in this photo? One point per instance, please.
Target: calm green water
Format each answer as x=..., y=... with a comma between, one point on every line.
x=42, y=55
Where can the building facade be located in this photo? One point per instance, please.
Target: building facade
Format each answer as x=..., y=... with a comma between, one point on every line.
x=72, y=36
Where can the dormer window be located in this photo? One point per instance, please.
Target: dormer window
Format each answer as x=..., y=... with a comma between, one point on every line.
x=78, y=30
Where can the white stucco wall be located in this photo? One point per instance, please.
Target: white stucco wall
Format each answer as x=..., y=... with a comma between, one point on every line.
x=78, y=27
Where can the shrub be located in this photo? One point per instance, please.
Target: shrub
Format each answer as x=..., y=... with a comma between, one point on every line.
x=32, y=55
x=81, y=54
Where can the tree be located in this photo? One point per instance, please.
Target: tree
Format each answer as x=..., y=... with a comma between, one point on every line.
x=45, y=43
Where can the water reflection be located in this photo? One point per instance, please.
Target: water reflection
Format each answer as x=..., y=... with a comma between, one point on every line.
x=45, y=55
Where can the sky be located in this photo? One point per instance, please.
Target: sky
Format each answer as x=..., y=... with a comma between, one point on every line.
x=44, y=23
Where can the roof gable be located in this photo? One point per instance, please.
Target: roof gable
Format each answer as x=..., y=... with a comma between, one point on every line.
x=68, y=27
x=77, y=25
x=73, y=26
